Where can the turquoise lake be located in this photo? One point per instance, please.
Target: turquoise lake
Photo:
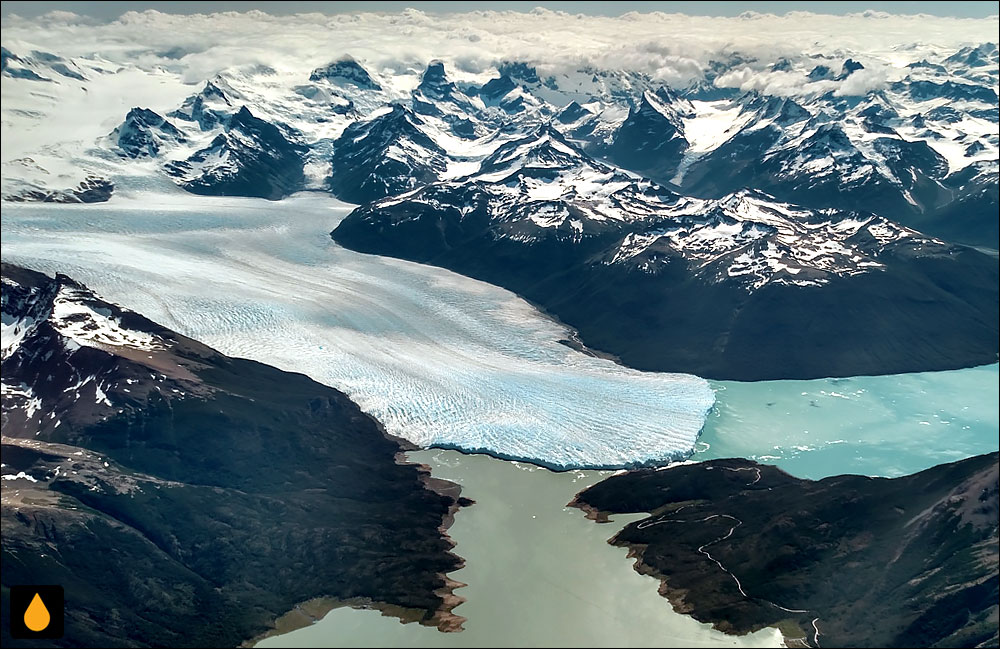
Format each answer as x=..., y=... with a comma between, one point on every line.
x=870, y=425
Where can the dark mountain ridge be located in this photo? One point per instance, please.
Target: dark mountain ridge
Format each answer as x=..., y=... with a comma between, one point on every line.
x=847, y=561
x=221, y=492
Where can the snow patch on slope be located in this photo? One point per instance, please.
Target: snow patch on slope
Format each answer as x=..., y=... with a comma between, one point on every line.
x=90, y=326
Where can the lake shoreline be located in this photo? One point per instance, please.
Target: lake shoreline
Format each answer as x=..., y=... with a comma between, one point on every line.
x=875, y=552
x=444, y=619
x=676, y=596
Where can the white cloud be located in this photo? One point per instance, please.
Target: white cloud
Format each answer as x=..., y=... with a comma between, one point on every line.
x=862, y=82
x=792, y=83
x=673, y=47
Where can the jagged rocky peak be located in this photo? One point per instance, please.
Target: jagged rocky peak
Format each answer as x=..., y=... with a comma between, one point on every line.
x=145, y=117
x=850, y=67
x=820, y=72
x=346, y=70
x=387, y=126
x=982, y=55
x=210, y=107
x=924, y=64
x=781, y=65
x=144, y=132
x=925, y=89
x=513, y=90
x=497, y=86
x=264, y=132
x=830, y=137
x=706, y=90
x=250, y=157
x=544, y=148
x=791, y=112
x=385, y=155
x=876, y=106
x=909, y=160
x=519, y=71
x=216, y=89
x=434, y=83
x=665, y=97
x=573, y=112
x=974, y=148
x=651, y=140
x=717, y=67
x=783, y=110
x=91, y=189
x=438, y=96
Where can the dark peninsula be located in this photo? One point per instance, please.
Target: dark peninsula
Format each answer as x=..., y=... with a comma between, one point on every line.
x=847, y=561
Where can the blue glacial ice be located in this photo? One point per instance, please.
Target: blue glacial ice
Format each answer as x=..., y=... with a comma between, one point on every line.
x=440, y=359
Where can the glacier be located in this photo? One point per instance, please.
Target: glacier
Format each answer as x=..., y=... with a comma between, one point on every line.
x=442, y=360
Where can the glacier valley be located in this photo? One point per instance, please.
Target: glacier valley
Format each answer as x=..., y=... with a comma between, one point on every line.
x=441, y=360
x=447, y=361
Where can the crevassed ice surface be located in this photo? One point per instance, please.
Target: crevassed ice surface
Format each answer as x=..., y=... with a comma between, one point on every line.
x=440, y=359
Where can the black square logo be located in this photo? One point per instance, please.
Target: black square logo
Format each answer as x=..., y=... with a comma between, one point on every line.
x=36, y=612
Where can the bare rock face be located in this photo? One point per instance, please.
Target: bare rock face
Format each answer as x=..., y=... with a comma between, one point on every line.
x=92, y=189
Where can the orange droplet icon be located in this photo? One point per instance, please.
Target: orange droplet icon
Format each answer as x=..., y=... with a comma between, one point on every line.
x=36, y=617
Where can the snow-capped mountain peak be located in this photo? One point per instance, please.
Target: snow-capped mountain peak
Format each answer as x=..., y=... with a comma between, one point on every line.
x=384, y=155
x=144, y=133
x=209, y=107
x=248, y=157
x=435, y=84
x=40, y=66
x=437, y=97
x=346, y=71
x=982, y=55
x=110, y=359
x=545, y=148
x=829, y=141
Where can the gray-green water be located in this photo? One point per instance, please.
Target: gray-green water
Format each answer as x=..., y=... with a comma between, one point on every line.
x=539, y=574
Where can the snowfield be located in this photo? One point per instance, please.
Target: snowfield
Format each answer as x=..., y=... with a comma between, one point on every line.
x=440, y=359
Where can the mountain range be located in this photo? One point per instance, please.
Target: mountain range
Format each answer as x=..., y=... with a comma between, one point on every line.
x=734, y=234
x=920, y=149
x=744, y=287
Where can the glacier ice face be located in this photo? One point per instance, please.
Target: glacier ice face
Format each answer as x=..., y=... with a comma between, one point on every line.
x=440, y=359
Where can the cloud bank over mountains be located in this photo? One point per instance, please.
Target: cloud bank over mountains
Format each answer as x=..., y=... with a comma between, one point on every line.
x=673, y=48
